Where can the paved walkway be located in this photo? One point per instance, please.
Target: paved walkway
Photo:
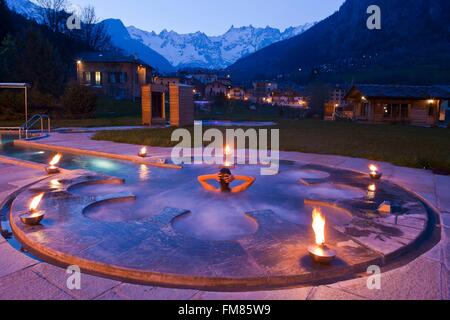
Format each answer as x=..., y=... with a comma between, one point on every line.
x=427, y=277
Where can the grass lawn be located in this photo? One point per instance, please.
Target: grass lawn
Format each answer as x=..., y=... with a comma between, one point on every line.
x=401, y=145
x=241, y=111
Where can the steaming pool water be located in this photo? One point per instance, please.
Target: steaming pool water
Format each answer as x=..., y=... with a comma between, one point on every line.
x=212, y=216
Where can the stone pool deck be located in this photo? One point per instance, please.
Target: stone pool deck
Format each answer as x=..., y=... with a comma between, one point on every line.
x=427, y=277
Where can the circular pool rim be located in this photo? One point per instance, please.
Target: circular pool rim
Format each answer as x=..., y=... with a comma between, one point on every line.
x=428, y=239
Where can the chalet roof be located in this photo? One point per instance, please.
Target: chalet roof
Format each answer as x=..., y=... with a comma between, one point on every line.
x=109, y=57
x=402, y=92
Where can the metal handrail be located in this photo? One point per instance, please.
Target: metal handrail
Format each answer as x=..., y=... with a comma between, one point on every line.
x=27, y=126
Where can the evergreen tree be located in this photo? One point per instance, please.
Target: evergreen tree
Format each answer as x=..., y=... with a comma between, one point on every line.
x=41, y=64
x=8, y=60
x=5, y=20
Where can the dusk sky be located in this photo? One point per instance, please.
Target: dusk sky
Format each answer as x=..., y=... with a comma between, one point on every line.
x=212, y=17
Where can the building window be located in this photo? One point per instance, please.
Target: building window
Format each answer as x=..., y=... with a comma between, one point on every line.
x=396, y=111
x=87, y=77
x=98, y=78
x=123, y=77
x=112, y=77
x=387, y=111
x=404, y=113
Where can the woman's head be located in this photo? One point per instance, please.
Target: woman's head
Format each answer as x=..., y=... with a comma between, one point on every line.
x=225, y=171
x=224, y=184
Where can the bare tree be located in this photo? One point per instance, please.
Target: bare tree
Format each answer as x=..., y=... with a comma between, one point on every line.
x=53, y=13
x=93, y=32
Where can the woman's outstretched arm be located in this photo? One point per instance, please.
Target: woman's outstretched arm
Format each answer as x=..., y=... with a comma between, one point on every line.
x=204, y=182
x=248, y=181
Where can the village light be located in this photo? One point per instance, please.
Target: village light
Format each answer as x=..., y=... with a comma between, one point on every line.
x=52, y=167
x=79, y=62
x=143, y=152
x=374, y=173
x=320, y=252
x=431, y=101
x=33, y=216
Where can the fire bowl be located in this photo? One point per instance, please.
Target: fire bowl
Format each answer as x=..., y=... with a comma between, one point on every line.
x=52, y=170
x=32, y=218
x=376, y=176
x=321, y=254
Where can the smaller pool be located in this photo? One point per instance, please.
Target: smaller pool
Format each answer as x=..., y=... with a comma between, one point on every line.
x=69, y=161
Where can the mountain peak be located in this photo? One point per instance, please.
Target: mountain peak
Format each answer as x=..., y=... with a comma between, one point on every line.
x=213, y=52
x=26, y=8
x=114, y=21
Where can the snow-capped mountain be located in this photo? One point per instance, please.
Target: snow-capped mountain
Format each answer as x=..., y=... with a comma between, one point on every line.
x=181, y=50
x=121, y=39
x=25, y=8
x=199, y=50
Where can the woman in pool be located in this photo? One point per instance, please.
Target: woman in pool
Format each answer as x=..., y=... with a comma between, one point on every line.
x=225, y=178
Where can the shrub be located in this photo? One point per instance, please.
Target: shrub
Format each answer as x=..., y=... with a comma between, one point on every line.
x=11, y=105
x=41, y=101
x=78, y=101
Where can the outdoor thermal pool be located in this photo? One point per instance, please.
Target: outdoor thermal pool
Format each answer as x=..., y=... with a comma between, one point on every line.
x=159, y=226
